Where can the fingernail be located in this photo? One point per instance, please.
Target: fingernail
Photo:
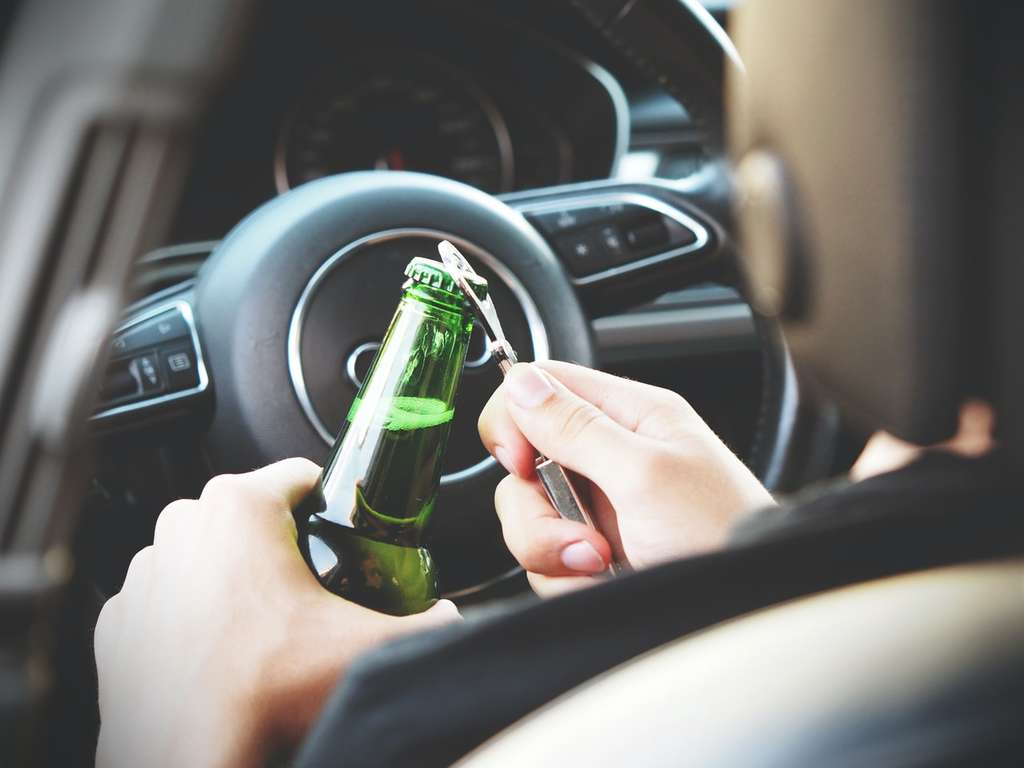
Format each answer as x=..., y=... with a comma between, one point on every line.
x=581, y=556
x=527, y=386
x=502, y=456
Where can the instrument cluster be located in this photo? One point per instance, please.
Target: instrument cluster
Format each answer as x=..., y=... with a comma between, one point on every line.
x=491, y=128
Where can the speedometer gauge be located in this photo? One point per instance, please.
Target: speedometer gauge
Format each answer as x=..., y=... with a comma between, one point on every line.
x=407, y=113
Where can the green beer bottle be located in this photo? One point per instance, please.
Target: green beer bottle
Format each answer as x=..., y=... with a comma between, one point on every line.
x=361, y=529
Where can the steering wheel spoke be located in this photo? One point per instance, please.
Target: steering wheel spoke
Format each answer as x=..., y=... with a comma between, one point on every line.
x=157, y=369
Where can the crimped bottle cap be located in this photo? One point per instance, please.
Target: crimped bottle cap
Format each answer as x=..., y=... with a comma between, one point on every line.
x=436, y=275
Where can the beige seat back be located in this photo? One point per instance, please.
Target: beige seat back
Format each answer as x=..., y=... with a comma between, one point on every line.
x=862, y=668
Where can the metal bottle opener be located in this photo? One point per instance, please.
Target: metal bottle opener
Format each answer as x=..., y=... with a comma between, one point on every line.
x=553, y=477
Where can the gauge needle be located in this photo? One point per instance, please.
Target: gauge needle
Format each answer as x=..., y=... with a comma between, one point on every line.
x=392, y=161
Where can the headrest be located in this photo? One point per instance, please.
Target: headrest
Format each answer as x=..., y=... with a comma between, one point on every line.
x=880, y=223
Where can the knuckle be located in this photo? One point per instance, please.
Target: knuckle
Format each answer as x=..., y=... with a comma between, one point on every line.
x=654, y=467
x=670, y=401
x=106, y=621
x=300, y=465
x=483, y=421
x=178, y=507
x=220, y=486
x=670, y=413
x=512, y=529
x=523, y=536
x=170, y=517
x=292, y=474
x=493, y=420
x=139, y=565
x=106, y=615
x=578, y=421
x=306, y=465
x=502, y=496
x=231, y=498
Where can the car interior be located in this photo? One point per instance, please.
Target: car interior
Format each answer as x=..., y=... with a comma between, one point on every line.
x=206, y=208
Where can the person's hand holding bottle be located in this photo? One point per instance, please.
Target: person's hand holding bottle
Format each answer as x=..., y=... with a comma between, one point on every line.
x=659, y=483
x=222, y=646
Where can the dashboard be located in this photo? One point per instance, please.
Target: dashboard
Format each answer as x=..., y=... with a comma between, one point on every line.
x=505, y=95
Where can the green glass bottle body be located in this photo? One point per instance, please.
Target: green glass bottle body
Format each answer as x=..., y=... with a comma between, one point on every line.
x=361, y=528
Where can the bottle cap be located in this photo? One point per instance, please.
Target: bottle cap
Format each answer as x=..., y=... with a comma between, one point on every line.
x=436, y=275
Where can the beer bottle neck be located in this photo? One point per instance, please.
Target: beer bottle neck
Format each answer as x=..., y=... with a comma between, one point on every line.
x=435, y=298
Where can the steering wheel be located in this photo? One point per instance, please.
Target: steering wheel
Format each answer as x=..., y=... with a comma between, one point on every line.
x=273, y=337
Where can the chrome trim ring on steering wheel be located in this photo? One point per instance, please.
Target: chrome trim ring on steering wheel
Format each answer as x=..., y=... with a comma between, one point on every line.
x=538, y=333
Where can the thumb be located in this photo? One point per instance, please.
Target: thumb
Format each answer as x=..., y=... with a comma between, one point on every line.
x=563, y=426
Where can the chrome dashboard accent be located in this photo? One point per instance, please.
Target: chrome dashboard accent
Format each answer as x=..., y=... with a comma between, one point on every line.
x=538, y=333
x=604, y=78
x=185, y=308
x=619, y=103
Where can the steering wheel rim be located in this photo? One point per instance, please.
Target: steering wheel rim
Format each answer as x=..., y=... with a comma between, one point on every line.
x=252, y=303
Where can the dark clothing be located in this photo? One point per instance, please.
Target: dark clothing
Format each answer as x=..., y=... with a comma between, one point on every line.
x=428, y=700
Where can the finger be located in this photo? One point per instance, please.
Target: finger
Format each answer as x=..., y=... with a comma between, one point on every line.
x=641, y=408
x=650, y=411
x=289, y=480
x=502, y=438
x=622, y=400
x=564, y=426
x=974, y=437
x=261, y=502
x=553, y=586
x=539, y=539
